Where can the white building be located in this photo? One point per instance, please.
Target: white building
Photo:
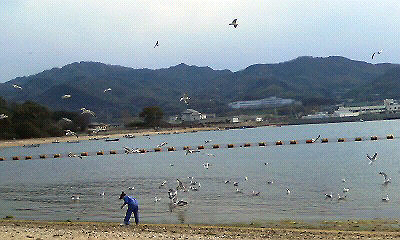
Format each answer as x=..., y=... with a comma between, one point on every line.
x=266, y=102
x=316, y=115
x=391, y=105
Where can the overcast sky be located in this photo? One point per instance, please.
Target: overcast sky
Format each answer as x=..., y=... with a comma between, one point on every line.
x=37, y=35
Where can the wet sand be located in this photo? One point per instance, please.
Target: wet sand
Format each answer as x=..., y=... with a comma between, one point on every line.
x=27, y=229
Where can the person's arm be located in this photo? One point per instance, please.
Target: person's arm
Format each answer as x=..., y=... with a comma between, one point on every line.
x=123, y=205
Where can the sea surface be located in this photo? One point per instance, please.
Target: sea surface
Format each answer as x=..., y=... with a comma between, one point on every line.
x=42, y=188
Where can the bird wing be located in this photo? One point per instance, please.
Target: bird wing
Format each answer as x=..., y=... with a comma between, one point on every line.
x=369, y=157
x=374, y=157
x=383, y=174
x=373, y=55
x=234, y=21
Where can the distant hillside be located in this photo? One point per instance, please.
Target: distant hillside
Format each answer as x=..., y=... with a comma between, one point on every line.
x=210, y=90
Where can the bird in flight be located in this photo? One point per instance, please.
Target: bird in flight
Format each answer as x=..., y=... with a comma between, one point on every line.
x=2, y=116
x=156, y=45
x=108, y=89
x=70, y=133
x=233, y=23
x=17, y=87
x=185, y=98
x=84, y=110
x=378, y=52
x=66, y=96
x=372, y=159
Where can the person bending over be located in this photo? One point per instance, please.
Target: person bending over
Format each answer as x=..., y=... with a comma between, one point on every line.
x=133, y=207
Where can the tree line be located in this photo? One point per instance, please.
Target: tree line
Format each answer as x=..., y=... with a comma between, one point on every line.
x=31, y=120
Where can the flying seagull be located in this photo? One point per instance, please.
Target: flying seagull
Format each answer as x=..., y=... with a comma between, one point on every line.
x=108, y=89
x=378, y=52
x=156, y=45
x=386, y=199
x=387, y=180
x=185, y=98
x=17, y=87
x=233, y=23
x=84, y=110
x=66, y=96
x=191, y=151
x=372, y=159
x=70, y=133
x=2, y=116
x=314, y=140
x=67, y=120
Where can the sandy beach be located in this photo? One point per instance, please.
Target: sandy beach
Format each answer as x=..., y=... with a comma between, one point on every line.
x=26, y=229
x=110, y=134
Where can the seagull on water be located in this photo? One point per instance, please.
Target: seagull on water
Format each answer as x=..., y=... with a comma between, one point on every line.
x=239, y=190
x=74, y=198
x=191, y=151
x=162, y=184
x=156, y=199
x=234, y=23
x=156, y=45
x=386, y=199
x=66, y=96
x=378, y=52
x=131, y=188
x=162, y=144
x=372, y=159
x=287, y=191
x=343, y=179
x=17, y=86
x=346, y=189
x=84, y=110
x=180, y=185
x=207, y=141
x=206, y=165
x=254, y=193
x=108, y=89
x=341, y=197
x=235, y=184
x=328, y=195
x=387, y=180
x=2, y=116
x=270, y=182
x=227, y=181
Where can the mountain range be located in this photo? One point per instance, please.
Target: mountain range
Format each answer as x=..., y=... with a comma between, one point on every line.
x=303, y=78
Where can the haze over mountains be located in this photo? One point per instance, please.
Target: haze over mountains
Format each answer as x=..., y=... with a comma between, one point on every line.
x=304, y=78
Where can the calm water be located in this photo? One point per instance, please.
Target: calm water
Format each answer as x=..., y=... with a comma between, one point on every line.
x=42, y=188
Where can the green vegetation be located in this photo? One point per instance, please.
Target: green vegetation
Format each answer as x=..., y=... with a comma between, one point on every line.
x=31, y=120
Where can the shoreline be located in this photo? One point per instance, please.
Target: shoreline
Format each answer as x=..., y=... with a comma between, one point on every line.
x=351, y=229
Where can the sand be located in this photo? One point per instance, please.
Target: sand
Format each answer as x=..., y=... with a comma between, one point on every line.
x=110, y=134
x=27, y=229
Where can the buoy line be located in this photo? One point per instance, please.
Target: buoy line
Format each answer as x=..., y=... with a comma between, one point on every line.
x=202, y=147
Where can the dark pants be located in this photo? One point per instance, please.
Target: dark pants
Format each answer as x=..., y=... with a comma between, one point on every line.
x=132, y=209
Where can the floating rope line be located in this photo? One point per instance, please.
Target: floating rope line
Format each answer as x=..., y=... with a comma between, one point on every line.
x=203, y=147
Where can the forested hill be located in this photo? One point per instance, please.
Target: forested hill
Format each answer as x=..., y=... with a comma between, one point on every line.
x=210, y=90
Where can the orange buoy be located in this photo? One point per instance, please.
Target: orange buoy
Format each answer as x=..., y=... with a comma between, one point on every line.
x=28, y=157
x=341, y=140
x=357, y=139
x=171, y=149
x=324, y=140
x=186, y=147
x=247, y=145
x=374, y=138
x=84, y=154
x=230, y=145
x=262, y=144
x=142, y=150
x=2, y=159
x=215, y=146
x=113, y=152
x=390, y=136
x=279, y=143
x=200, y=147
x=100, y=153
x=42, y=156
x=15, y=158
x=157, y=149
x=293, y=142
x=309, y=141
x=57, y=155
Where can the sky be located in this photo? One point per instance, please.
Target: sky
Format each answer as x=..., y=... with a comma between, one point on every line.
x=37, y=35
